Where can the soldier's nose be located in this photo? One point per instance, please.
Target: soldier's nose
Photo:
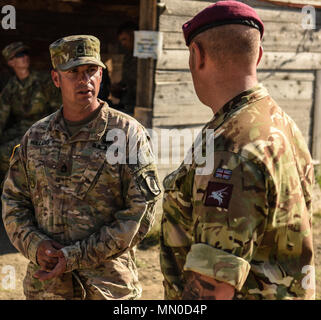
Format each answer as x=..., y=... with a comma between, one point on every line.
x=84, y=77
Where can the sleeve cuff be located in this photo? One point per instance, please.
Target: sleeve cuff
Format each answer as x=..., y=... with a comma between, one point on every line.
x=72, y=255
x=218, y=264
x=37, y=238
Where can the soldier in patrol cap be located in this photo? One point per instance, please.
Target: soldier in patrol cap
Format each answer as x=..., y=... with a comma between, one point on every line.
x=68, y=207
x=241, y=230
x=27, y=97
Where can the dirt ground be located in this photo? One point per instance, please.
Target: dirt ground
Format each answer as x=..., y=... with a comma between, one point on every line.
x=147, y=261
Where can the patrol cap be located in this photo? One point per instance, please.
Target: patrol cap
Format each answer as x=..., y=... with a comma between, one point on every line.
x=13, y=48
x=73, y=51
x=222, y=13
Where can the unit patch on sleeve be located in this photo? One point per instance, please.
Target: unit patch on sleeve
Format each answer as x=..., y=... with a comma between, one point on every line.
x=218, y=194
x=223, y=173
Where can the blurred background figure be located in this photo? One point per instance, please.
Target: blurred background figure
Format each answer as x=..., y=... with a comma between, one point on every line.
x=123, y=94
x=27, y=97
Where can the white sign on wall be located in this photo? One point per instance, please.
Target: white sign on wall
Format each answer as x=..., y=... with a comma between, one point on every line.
x=148, y=44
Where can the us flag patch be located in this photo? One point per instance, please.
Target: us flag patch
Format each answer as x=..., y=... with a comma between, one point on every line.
x=225, y=174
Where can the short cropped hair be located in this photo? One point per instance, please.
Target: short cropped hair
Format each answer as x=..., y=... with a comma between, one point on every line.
x=230, y=43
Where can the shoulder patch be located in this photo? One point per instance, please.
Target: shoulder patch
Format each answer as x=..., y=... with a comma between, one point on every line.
x=218, y=194
x=13, y=151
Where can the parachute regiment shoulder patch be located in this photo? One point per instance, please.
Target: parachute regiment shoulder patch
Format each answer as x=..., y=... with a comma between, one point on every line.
x=218, y=194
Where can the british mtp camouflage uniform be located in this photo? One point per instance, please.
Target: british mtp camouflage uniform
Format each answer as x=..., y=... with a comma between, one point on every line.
x=63, y=188
x=248, y=222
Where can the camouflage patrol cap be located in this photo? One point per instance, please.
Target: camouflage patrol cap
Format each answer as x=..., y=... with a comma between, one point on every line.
x=13, y=48
x=73, y=51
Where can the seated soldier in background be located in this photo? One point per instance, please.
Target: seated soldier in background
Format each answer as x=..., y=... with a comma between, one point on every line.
x=27, y=97
x=123, y=94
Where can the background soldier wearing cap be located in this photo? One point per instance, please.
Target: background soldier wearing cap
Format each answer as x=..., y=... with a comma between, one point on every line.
x=73, y=213
x=27, y=97
x=242, y=231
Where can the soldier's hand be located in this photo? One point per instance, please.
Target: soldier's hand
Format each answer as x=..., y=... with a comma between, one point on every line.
x=44, y=258
x=201, y=287
x=59, y=269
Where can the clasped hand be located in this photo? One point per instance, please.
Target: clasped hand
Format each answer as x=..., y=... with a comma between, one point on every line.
x=51, y=260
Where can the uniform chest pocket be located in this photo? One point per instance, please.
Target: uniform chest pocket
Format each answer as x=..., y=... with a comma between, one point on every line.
x=87, y=179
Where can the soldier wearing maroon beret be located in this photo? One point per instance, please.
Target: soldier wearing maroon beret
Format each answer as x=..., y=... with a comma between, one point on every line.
x=241, y=230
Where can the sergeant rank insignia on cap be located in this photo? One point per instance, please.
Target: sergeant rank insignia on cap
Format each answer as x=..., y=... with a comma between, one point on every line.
x=218, y=194
x=221, y=173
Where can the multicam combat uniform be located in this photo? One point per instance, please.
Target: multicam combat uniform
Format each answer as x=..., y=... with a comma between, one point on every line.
x=63, y=188
x=248, y=222
x=22, y=103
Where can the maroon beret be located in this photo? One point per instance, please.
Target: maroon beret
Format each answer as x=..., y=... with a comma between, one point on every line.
x=221, y=13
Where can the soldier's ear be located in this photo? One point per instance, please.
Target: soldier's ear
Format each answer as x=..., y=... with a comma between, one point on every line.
x=260, y=55
x=197, y=55
x=55, y=78
x=101, y=72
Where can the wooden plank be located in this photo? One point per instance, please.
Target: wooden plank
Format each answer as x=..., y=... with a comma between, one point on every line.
x=171, y=23
x=295, y=3
x=145, y=67
x=168, y=23
x=173, y=116
x=316, y=146
x=183, y=93
x=181, y=115
x=185, y=76
x=282, y=39
x=178, y=60
x=289, y=60
x=191, y=8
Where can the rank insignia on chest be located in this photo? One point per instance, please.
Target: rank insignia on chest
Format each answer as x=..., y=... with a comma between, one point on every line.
x=218, y=194
x=221, y=173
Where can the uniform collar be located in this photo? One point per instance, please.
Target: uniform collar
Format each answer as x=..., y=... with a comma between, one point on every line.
x=246, y=97
x=91, y=131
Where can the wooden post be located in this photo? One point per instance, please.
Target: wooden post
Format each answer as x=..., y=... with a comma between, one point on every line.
x=145, y=67
x=316, y=145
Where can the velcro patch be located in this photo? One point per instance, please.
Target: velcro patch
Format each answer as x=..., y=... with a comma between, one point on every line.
x=221, y=173
x=218, y=194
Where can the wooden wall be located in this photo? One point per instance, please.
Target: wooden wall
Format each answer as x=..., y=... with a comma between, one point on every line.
x=291, y=57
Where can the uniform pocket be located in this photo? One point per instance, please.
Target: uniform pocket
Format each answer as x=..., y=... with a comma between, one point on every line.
x=90, y=175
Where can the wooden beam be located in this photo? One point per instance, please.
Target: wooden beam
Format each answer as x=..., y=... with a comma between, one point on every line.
x=183, y=93
x=178, y=60
x=185, y=76
x=145, y=67
x=316, y=147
